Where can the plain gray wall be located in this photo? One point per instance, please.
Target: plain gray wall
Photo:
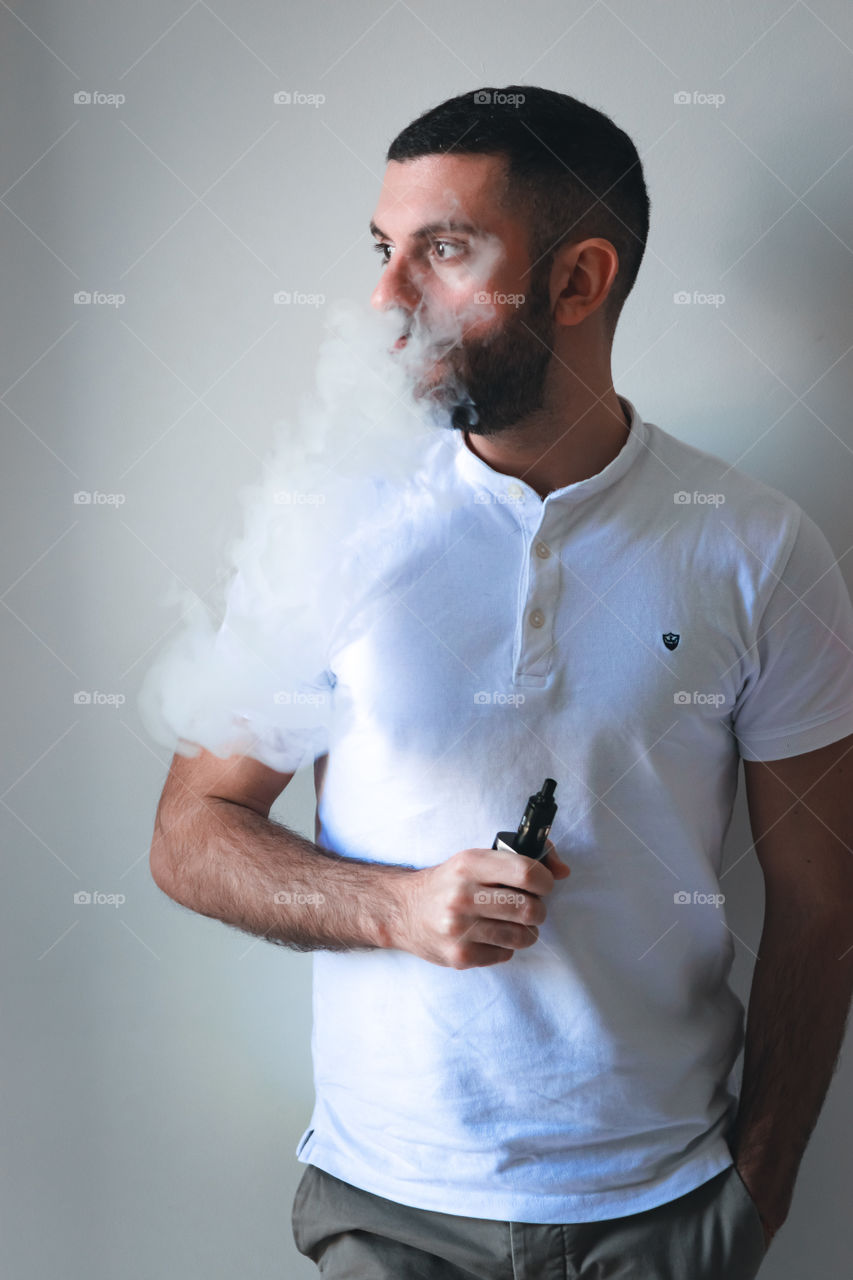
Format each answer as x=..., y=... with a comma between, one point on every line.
x=156, y=1064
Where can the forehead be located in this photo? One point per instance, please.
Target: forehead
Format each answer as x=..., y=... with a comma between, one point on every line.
x=438, y=189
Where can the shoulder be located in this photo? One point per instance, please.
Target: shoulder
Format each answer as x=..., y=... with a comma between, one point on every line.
x=737, y=486
x=711, y=493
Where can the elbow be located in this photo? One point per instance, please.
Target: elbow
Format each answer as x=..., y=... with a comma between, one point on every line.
x=159, y=872
x=160, y=855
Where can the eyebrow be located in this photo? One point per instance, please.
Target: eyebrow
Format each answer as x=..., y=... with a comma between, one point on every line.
x=431, y=229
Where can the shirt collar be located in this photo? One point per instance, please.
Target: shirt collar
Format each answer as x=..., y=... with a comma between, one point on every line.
x=523, y=497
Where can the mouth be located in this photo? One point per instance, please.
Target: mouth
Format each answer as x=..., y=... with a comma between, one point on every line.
x=401, y=341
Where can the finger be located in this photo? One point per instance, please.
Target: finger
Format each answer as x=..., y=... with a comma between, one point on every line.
x=555, y=863
x=503, y=904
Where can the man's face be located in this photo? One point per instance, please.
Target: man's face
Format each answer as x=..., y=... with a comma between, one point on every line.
x=477, y=319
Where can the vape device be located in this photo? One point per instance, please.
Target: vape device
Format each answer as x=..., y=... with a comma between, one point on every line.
x=464, y=415
x=534, y=826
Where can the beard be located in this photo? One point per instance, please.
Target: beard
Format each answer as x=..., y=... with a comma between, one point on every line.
x=491, y=383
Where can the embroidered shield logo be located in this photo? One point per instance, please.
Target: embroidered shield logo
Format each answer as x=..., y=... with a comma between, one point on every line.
x=670, y=639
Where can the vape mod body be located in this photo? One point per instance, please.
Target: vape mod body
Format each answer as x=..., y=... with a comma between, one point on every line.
x=533, y=829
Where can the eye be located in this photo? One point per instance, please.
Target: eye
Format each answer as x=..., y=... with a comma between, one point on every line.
x=457, y=250
x=445, y=251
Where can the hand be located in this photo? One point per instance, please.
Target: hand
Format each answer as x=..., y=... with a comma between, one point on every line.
x=477, y=908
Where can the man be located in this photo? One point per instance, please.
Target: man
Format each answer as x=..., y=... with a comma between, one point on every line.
x=522, y=1071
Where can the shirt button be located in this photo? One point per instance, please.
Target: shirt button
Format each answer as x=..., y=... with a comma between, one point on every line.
x=537, y=617
x=543, y=550
x=514, y=490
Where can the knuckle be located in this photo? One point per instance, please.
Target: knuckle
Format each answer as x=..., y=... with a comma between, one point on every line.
x=535, y=913
x=460, y=899
x=450, y=922
x=526, y=911
x=529, y=875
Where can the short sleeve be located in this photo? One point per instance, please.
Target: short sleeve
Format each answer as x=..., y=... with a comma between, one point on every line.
x=280, y=698
x=800, y=696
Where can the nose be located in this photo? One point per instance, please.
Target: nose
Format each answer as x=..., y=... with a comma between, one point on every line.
x=395, y=287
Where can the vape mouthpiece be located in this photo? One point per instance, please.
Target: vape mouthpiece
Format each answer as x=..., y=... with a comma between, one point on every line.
x=465, y=416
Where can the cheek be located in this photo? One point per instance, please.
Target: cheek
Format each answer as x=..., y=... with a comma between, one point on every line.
x=455, y=305
x=485, y=262
x=478, y=272
x=457, y=284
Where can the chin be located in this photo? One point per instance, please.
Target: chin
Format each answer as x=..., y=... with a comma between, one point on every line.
x=429, y=383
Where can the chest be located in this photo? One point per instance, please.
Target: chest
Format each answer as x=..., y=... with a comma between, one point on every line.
x=621, y=633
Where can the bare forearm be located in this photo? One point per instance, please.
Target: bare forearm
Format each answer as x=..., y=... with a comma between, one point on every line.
x=798, y=1006
x=228, y=862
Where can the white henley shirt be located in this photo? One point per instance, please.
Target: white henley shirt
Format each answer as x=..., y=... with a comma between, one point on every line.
x=630, y=636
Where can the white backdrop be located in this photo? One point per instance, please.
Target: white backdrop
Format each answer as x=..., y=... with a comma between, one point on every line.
x=156, y=1064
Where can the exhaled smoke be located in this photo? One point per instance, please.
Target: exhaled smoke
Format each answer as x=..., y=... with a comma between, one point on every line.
x=323, y=531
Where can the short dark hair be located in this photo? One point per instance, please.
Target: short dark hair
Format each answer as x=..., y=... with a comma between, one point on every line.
x=572, y=174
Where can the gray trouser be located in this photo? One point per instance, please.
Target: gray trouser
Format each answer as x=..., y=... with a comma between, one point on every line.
x=712, y=1233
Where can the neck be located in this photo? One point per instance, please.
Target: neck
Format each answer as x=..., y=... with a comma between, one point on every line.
x=556, y=447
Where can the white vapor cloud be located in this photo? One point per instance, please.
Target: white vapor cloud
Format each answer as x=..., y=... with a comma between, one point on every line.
x=322, y=529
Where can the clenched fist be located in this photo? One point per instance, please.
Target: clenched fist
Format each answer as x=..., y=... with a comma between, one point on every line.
x=478, y=907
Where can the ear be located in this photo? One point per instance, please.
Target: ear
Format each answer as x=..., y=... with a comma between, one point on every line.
x=582, y=276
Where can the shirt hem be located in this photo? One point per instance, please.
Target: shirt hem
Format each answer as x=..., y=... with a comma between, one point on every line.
x=547, y=1209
